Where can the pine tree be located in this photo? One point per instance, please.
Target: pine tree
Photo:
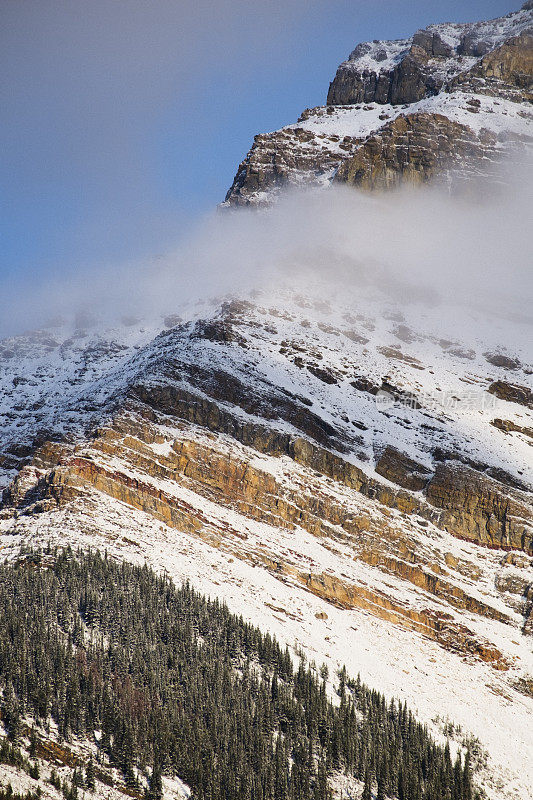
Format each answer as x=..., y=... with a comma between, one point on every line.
x=367, y=789
x=155, y=784
x=90, y=775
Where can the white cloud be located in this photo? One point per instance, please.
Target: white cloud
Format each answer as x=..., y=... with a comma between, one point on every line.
x=420, y=245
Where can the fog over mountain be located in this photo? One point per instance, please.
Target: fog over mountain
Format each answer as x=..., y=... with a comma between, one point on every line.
x=424, y=244
x=313, y=406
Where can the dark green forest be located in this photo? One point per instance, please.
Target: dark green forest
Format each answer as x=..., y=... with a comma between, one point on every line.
x=178, y=685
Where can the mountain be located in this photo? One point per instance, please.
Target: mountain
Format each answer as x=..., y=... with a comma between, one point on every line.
x=448, y=102
x=348, y=471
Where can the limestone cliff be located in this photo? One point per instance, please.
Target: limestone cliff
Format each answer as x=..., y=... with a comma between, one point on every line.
x=405, y=71
x=446, y=102
x=353, y=474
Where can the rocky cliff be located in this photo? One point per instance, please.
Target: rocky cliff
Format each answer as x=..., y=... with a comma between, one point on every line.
x=450, y=99
x=353, y=475
x=439, y=58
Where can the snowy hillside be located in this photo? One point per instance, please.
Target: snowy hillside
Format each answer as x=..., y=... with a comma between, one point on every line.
x=373, y=585
x=344, y=452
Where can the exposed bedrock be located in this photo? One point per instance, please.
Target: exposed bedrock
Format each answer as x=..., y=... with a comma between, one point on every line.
x=505, y=71
x=288, y=156
x=143, y=480
x=407, y=82
x=480, y=508
x=460, y=499
x=438, y=626
x=413, y=149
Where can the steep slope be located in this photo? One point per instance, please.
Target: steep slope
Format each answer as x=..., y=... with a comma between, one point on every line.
x=351, y=474
x=333, y=470
x=448, y=101
x=206, y=697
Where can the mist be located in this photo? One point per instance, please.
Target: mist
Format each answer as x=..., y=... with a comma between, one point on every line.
x=101, y=102
x=123, y=120
x=424, y=246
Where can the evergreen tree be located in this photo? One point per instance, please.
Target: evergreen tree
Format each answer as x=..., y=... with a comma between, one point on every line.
x=90, y=775
x=176, y=682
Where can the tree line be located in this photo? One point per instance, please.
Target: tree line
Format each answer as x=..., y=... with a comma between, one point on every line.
x=165, y=681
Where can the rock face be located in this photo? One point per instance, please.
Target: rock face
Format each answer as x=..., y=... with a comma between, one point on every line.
x=408, y=70
x=511, y=427
x=444, y=103
x=147, y=482
x=410, y=80
x=512, y=393
x=505, y=72
x=402, y=470
x=480, y=508
x=275, y=158
x=413, y=149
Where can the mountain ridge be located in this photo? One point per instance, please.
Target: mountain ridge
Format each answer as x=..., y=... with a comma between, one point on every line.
x=220, y=453
x=348, y=467
x=479, y=108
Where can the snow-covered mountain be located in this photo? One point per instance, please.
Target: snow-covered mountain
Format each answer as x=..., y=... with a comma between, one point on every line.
x=448, y=102
x=441, y=57
x=350, y=473
x=347, y=475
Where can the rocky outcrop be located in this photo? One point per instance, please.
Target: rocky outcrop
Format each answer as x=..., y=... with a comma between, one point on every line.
x=402, y=470
x=206, y=412
x=458, y=498
x=127, y=463
x=513, y=393
x=503, y=361
x=413, y=149
x=285, y=158
x=407, y=82
x=506, y=72
x=408, y=70
x=481, y=509
x=507, y=426
x=440, y=627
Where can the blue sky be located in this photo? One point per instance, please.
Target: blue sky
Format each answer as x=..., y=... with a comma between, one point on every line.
x=123, y=122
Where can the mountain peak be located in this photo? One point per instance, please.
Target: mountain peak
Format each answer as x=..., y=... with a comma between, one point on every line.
x=407, y=70
x=476, y=75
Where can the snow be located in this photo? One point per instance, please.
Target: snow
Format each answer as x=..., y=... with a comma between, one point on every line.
x=382, y=56
x=83, y=749
x=63, y=380
x=362, y=120
x=457, y=410
x=377, y=56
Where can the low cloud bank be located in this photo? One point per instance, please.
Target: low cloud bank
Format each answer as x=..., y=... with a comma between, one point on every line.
x=419, y=245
